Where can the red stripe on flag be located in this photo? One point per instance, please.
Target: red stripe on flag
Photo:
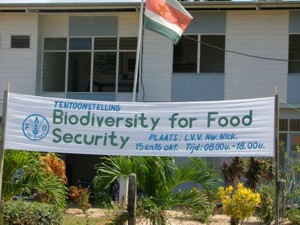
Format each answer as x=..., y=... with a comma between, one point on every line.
x=168, y=12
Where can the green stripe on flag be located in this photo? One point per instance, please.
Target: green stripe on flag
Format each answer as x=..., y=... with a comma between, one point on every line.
x=159, y=28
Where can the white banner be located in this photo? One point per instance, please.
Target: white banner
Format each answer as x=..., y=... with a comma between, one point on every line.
x=190, y=129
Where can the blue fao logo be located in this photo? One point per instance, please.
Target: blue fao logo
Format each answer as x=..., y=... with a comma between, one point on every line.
x=35, y=127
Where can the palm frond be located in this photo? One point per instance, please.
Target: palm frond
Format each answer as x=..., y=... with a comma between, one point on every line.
x=34, y=177
x=199, y=172
x=193, y=199
x=112, y=168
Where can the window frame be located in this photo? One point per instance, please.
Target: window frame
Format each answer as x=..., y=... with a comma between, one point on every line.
x=288, y=133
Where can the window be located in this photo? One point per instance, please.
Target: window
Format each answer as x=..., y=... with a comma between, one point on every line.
x=199, y=54
x=185, y=55
x=127, y=56
x=79, y=71
x=212, y=59
x=54, y=65
x=92, y=64
x=79, y=67
x=20, y=41
x=294, y=53
x=105, y=61
x=289, y=133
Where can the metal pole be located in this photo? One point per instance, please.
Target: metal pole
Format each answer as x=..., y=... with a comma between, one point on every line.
x=138, y=52
x=2, y=149
x=276, y=145
x=132, y=200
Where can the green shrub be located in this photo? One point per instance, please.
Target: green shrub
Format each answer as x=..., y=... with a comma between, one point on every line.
x=31, y=213
x=293, y=215
x=266, y=210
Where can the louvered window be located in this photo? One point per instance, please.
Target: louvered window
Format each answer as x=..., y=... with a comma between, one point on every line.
x=294, y=53
x=20, y=41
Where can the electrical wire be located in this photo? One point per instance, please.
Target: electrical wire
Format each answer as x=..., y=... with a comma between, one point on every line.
x=243, y=54
x=290, y=105
x=225, y=50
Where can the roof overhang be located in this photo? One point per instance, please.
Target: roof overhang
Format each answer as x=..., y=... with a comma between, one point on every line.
x=133, y=5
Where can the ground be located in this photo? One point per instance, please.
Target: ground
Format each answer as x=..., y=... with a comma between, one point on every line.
x=175, y=217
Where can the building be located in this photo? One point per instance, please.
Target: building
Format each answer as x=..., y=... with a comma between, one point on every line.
x=86, y=50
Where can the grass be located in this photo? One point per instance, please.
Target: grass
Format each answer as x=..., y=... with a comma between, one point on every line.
x=81, y=220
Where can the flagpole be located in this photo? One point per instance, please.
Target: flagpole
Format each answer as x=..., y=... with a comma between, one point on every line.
x=124, y=182
x=138, y=51
x=2, y=147
x=276, y=145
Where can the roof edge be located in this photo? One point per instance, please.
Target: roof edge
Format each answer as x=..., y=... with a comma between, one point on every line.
x=219, y=5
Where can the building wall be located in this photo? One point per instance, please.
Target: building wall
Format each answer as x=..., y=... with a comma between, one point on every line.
x=18, y=66
x=261, y=33
x=157, y=68
x=128, y=24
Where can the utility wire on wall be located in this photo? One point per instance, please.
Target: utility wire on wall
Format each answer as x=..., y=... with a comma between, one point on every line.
x=290, y=105
x=243, y=54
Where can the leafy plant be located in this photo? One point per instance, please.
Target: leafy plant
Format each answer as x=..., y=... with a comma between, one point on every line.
x=266, y=210
x=239, y=204
x=55, y=165
x=26, y=175
x=115, y=214
x=292, y=203
x=81, y=196
x=159, y=180
x=293, y=215
x=148, y=208
x=258, y=170
x=290, y=199
x=13, y=170
x=233, y=172
x=253, y=171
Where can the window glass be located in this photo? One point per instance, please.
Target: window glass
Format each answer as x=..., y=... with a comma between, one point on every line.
x=54, y=71
x=104, y=77
x=295, y=143
x=20, y=41
x=105, y=44
x=282, y=148
x=294, y=53
x=80, y=43
x=212, y=55
x=79, y=53
x=283, y=125
x=126, y=71
x=283, y=140
x=55, y=44
x=79, y=71
x=185, y=55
